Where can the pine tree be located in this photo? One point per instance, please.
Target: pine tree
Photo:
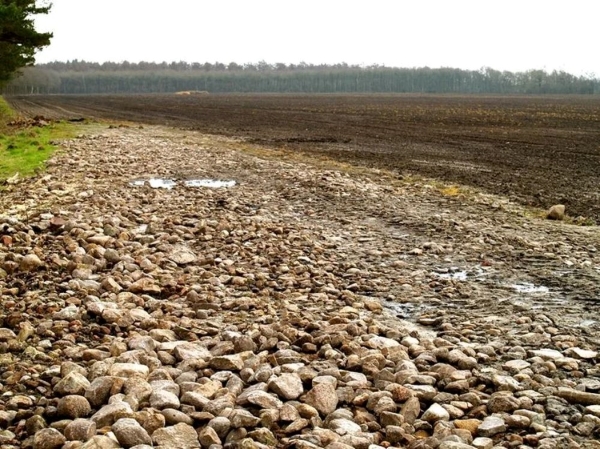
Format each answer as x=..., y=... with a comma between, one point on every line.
x=18, y=38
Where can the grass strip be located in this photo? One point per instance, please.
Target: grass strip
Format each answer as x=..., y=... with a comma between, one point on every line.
x=24, y=149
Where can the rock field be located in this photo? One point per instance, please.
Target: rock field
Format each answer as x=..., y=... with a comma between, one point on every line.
x=311, y=305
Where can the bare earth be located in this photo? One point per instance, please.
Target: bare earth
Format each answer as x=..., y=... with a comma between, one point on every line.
x=314, y=304
x=537, y=150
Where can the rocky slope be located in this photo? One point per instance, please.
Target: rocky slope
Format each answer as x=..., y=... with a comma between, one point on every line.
x=308, y=306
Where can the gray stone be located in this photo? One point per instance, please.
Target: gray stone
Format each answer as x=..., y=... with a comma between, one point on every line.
x=491, y=426
x=110, y=413
x=48, y=439
x=130, y=433
x=179, y=436
x=164, y=399
x=287, y=386
x=323, y=397
x=73, y=407
x=208, y=436
x=80, y=430
x=436, y=413
x=232, y=362
x=344, y=426
x=73, y=383
x=556, y=212
x=30, y=262
x=101, y=442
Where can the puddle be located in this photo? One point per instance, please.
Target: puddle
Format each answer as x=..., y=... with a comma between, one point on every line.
x=457, y=274
x=163, y=183
x=528, y=287
x=155, y=183
x=210, y=183
x=158, y=183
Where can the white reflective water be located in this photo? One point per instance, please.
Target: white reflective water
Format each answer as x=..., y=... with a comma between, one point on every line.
x=163, y=183
x=457, y=275
x=210, y=183
x=528, y=287
x=158, y=183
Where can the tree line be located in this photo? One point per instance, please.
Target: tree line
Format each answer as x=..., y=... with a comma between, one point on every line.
x=81, y=77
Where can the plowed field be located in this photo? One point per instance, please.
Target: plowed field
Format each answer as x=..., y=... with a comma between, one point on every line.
x=537, y=150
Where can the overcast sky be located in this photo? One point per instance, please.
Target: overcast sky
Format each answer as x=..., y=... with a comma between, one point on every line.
x=470, y=34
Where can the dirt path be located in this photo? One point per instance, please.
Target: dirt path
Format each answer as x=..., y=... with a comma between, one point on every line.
x=275, y=286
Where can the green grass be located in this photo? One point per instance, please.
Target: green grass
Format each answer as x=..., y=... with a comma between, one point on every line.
x=24, y=150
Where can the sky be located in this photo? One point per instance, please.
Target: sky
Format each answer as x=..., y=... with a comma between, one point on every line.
x=513, y=35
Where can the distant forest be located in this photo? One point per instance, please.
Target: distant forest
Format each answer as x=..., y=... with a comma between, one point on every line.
x=81, y=77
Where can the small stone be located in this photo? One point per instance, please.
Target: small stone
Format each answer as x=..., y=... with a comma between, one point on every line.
x=164, y=399
x=232, y=362
x=593, y=410
x=19, y=402
x=173, y=417
x=6, y=334
x=243, y=418
x=177, y=436
x=500, y=402
x=547, y=354
x=556, y=212
x=264, y=400
x=287, y=386
x=483, y=443
x=35, y=424
x=73, y=383
x=454, y=445
x=344, y=426
x=491, y=426
x=436, y=413
x=579, y=353
x=221, y=425
x=323, y=397
x=48, y=439
x=30, y=262
x=127, y=370
x=264, y=436
x=101, y=389
x=468, y=424
x=516, y=365
x=73, y=407
x=182, y=255
x=411, y=410
x=80, y=430
x=101, y=442
x=145, y=285
x=130, y=433
x=208, y=436
x=110, y=413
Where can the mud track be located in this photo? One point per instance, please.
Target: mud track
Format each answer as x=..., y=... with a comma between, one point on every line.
x=536, y=150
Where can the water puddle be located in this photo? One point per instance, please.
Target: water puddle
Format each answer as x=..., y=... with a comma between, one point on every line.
x=155, y=183
x=210, y=183
x=165, y=183
x=529, y=288
x=158, y=183
x=456, y=274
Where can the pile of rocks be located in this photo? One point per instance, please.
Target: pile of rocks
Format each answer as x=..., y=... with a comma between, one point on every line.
x=251, y=318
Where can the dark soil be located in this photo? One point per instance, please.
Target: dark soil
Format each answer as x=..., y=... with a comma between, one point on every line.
x=537, y=150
